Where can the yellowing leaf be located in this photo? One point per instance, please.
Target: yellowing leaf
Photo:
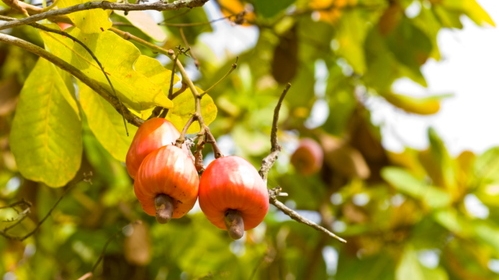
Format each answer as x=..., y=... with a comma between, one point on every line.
x=118, y=58
x=417, y=105
x=477, y=13
x=184, y=107
x=90, y=21
x=155, y=72
x=46, y=131
x=145, y=23
x=285, y=59
x=351, y=34
x=408, y=266
x=330, y=10
x=106, y=123
x=237, y=9
x=390, y=18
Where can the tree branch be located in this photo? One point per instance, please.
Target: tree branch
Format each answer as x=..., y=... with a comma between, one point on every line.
x=38, y=225
x=273, y=193
x=269, y=161
x=275, y=148
x=157, y=6
x=114, y=101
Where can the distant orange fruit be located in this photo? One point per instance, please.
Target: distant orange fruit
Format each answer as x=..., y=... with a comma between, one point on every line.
x=308, y=156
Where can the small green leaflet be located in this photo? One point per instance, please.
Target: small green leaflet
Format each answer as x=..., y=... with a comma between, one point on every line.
x=118, y=58
x=46, y=131
x=184, y=108
x=408, y=266
x=405, y=182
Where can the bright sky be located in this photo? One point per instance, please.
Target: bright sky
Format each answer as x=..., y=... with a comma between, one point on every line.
x=470, y=70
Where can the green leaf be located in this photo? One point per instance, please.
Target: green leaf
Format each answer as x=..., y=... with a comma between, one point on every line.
x=379, y=267
x=91, y=21
x=408, y=184
x=46, y=131
x=448, y=17
x=441, y=156
x=351, y=35
x=270, y=8
x=486, y=166
x=132, y=87
x=409, y=266
x=486, y=232
x=184, y=108
x=341, y=100
x=428, y=22
x=449, y=218
x=410, y=45
x=106, y=123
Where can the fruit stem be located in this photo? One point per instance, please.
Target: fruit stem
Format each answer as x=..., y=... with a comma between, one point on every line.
x=164, y=208
x=234, y=223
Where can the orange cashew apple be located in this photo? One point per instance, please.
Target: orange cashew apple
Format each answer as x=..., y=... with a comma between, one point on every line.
x=151, y=135
x=167, y=183
x=232, y=195
x=308, y=156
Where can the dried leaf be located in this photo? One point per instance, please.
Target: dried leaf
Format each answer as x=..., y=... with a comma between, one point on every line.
x=137, y=247
x=285, y=62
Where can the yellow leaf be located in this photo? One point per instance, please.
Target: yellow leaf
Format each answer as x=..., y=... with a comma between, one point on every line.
x=130, y=73
x=417, y=105
x=91, y=21
x=237, y=12
x=46, y=131
x=477, y=13
x=330, y=10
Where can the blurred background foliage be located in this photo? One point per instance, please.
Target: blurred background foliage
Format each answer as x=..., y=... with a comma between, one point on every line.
x=405, y=215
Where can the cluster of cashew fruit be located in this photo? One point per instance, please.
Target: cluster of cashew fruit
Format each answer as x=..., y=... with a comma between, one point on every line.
x=231, y=193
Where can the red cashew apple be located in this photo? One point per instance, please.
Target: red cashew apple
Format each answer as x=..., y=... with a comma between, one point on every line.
x=167, y=183
x=151, y=135
x=308, y=156
x=232, y=195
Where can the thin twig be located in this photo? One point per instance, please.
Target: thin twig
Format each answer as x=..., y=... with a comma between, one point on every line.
x=232, y=68
x=156, y=6
x=19, y=219
x=101, y=256
x=269, y=161
x=189, y=122
x=273, y=193
x=165, y=23
x=179, y=91
x=198, y=153
x=172, y=79
x=22, y=238
x=213, y=142
x=186, y=43
x=275, y=148
x=22, y=202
